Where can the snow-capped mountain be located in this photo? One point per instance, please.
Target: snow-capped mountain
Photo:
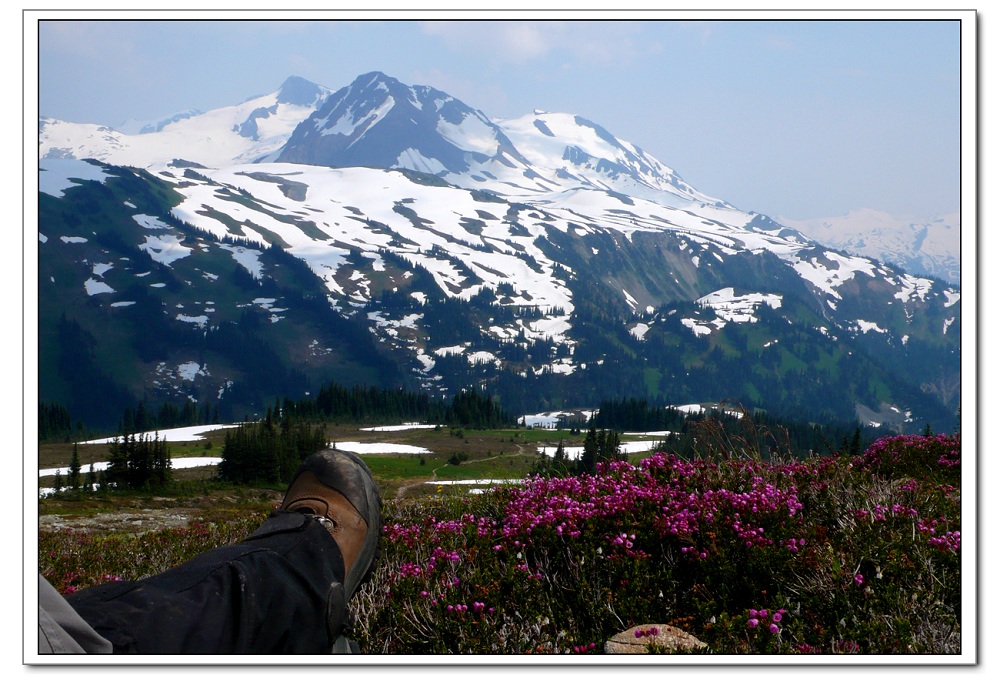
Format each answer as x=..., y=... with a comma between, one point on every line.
x=391, y=232
x=381, y=123
x=932, y=248
x=255, y=129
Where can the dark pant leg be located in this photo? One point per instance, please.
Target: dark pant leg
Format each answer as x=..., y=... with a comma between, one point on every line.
x=266, y=595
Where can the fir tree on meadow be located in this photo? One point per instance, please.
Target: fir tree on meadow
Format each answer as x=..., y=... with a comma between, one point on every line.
x=588, y=460
x=555, y=466
x=559, y=461
x=600, y=446
x=270, y=450
x=137, y=461
x=609, y=444
x=74, y=469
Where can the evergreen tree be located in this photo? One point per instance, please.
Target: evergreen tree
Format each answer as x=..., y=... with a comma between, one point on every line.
x=74, y=469
x=57, y=483
x=117, y=471
x=591, y=448
x=141, y=418
x=855, y=448
x=138, y=462
x=53, y=421
x=559, y=462
x=162, y=471
x=266, y=452
x=609, y=443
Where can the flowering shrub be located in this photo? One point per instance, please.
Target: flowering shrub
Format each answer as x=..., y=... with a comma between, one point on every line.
x=939, y=457
x=567, y=562
x=829, y=555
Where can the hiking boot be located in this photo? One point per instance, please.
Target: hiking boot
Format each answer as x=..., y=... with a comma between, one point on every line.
x=337, y=489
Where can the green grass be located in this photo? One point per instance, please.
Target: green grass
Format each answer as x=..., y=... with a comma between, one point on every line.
x=651, y=378
x=751, y=392
x=525, y=435
x=790, y=363
x=390, y=468
x=403, y=467
x=199, y=448
x=498, y=467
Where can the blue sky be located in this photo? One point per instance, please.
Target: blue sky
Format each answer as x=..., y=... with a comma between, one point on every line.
x=798, y=119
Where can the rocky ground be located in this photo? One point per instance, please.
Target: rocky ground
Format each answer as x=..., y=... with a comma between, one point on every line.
x=156, y=513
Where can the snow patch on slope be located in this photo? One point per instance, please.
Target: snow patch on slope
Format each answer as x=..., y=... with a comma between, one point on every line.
x=55, y=176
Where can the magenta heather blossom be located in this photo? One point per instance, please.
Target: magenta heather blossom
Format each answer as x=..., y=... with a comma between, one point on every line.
x=684, y=494
x=913, y=454
x=949, y=542
x=758, y=615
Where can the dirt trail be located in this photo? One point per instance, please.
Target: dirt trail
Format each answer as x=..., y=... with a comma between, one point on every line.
x=434, y=474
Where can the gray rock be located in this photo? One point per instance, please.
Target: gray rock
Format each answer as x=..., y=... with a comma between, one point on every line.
x=668, y=638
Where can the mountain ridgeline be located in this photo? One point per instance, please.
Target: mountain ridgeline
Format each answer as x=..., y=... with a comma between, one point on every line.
x=391, y=236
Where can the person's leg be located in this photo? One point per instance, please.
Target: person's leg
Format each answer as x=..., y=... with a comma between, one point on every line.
x=60, y=629
x=268, y=594
x=283, y=590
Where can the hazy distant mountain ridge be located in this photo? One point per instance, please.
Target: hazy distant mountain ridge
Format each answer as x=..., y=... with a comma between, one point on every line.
x=931, y=248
